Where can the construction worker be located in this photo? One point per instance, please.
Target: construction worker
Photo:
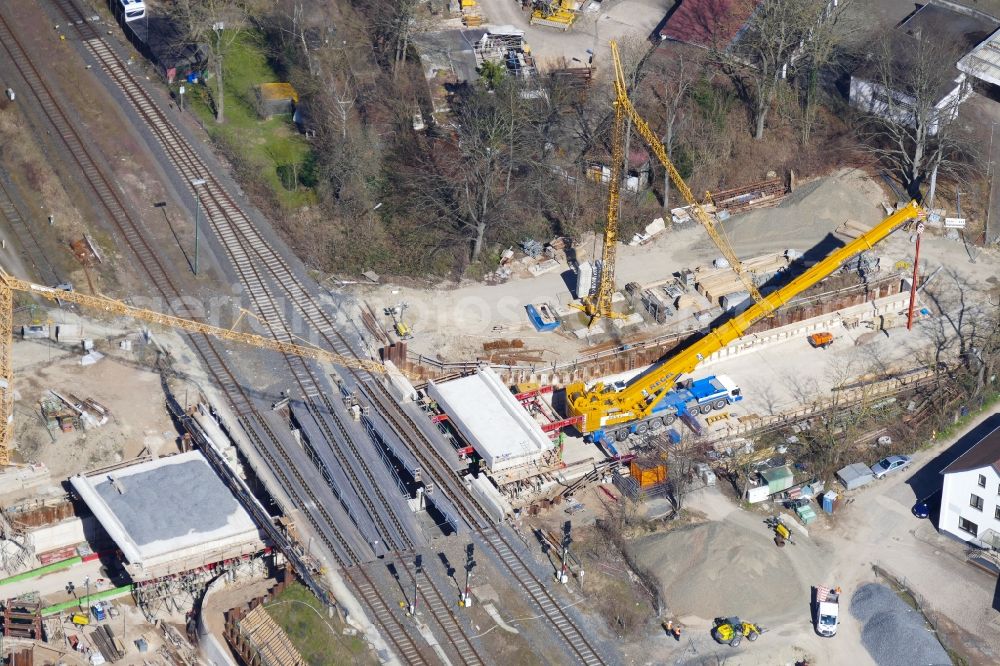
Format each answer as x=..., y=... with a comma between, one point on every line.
x=677, y=632
x=669, y=626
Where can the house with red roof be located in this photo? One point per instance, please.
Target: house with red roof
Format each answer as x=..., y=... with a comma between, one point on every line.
x=708, y=23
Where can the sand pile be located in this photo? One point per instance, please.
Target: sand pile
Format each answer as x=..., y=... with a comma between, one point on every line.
x=805, y=217
x=716, y=569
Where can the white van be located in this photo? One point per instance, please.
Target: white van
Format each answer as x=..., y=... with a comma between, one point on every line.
x=131, y=10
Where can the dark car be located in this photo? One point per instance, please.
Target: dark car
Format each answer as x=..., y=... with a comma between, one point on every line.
x=928, y=506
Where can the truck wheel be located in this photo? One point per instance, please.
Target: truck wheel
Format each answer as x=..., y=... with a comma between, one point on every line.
x=669, y=419
x=641, y=428
x=706, y=408
x=752, y=636
x=655, y=424
x=621, y=435
x=719, y=404
x=736, y=640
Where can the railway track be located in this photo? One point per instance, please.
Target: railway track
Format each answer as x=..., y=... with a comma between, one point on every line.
x=239, y=237
x=434, y=601
x=285, y=469
x=251, y=255
x=26, y=237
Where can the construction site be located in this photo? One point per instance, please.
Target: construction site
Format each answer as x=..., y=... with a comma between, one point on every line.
x=602, y=448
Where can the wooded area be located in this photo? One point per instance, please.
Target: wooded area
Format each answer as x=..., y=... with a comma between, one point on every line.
x=398, y=186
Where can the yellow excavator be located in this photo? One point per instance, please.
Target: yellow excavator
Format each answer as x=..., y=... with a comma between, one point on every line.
x=658, y=397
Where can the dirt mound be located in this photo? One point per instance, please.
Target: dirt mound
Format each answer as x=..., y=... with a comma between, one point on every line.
x=715, y=569
x=806, y=218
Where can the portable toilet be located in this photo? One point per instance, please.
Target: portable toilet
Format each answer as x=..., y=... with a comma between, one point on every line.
x=829, y=501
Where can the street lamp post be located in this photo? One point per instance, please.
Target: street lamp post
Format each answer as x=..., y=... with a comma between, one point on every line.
x=196, y=183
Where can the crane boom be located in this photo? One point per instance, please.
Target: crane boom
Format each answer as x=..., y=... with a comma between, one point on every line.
x=603, y=406
x=9, y=284
x=623, y=102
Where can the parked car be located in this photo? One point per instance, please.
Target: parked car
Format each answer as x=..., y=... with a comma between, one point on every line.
x=890, y=464
x=928, y=506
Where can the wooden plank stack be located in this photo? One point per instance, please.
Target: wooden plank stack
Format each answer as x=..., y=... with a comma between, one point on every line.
x=270, y=639
x=714, y=283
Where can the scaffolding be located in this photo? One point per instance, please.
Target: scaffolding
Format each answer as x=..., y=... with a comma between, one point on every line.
x=179, y=593
x=16, y=548
x=507, y=49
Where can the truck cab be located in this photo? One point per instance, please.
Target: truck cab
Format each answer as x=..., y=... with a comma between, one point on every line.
x=827, y=610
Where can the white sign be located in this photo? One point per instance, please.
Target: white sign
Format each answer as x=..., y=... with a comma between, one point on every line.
x=954, y=222
x=182, y=90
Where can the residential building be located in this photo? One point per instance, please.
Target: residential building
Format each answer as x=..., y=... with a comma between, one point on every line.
x=970, y=500
x=708, y=23
x=950, y=26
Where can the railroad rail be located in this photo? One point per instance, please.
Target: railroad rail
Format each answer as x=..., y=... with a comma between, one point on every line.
x=280, y=463
x=434, y=601
x=239, y=236
x=250, y=253
x=26, y=236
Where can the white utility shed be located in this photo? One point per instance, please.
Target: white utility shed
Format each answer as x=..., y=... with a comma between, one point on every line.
x=490, y=418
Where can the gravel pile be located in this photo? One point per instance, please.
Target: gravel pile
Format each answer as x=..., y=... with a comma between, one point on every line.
x=894, y=633
x=715, y=569
x=804, y=218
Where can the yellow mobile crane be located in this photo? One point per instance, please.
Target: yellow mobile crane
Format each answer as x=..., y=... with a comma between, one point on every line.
x=9, y=284
x=615, y=408
x=619, y=409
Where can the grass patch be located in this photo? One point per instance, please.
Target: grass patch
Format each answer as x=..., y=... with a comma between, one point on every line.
x=267, y=145
x=988, y=401
x=319, y=638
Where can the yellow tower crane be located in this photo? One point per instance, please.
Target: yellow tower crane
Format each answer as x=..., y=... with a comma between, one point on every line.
x=598, y=305
x=10, y=284
x=623, y=102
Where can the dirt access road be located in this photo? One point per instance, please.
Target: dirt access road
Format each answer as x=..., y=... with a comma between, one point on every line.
x=876, y=529
x=617, y=19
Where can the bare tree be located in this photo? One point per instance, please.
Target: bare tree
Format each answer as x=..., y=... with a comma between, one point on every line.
x=217, y=25
x=679, y=78
x=911, y=103
x=820, y=50
x=764, y=56
x=465, y=184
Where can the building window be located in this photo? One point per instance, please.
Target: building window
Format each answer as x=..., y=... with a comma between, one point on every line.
x=976, y=502
x=968, y=526
x=996, y=512
x=982, y=481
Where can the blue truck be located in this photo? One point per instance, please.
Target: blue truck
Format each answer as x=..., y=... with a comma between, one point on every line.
x=685, y=401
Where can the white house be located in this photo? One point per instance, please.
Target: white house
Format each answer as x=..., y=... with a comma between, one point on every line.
x=970, y=500
x=944, y=22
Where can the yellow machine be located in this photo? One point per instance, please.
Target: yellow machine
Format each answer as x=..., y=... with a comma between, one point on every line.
x=9, y=284
x=606, y=406
x=80, y=620
x=559, y=13
x=613, y=407
x=599, y=305
x=732, y=630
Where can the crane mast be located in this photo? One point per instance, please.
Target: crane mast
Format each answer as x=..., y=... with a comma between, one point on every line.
x=603, y=406
x=623, y=102
x=9, y=284
x=598, y=305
